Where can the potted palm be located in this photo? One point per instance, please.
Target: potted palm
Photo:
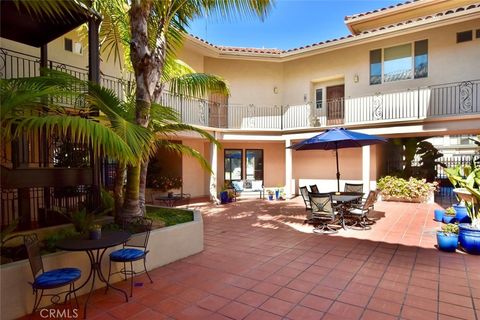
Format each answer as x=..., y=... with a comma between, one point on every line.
x=447, y=238
x=468, y=192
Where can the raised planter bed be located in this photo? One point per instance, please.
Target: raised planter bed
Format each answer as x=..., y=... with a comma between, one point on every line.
x=166, y=245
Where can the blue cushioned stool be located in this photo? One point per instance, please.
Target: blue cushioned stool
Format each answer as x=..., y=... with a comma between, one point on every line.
x=52, y=279
x=133, y=250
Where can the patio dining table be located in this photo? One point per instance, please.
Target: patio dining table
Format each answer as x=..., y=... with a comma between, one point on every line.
x=95, y=250
x=344, y=201
x=172, y=200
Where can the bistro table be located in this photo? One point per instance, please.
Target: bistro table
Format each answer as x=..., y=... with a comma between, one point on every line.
x=344, y=201
x=171, y=200
x=95, y=250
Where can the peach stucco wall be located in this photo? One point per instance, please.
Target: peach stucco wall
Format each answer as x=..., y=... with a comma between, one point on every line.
x=273, y=161
x=194, y=176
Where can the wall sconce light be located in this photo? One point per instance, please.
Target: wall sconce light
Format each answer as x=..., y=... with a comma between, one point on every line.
x=304, y=97
x=275, y=90
x=356, y=78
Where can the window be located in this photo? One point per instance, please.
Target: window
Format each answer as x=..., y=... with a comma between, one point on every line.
x=68, y=45
x=233, y=164
x=254, y=164
x=401, y=62
x=376, y=66
x=421, y=59
x=318, y=98
x=464, y=36
x=477, y=33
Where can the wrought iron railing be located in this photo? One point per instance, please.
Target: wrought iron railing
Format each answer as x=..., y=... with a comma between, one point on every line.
x=452, y=99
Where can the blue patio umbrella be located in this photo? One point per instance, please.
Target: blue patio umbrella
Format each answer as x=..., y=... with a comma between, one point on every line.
x=338, y=138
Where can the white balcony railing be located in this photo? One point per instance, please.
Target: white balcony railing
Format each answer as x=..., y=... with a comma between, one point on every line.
x=452, y=99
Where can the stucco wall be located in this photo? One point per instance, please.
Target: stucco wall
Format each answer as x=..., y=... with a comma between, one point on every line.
x=194, y=177
x=251, y=82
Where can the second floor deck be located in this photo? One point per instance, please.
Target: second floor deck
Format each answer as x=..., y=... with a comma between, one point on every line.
x=448, y=100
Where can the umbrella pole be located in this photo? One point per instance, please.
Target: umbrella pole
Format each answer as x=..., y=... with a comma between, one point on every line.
x=338, y=171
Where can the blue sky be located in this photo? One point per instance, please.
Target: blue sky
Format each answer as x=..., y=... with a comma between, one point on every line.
x=290, y=24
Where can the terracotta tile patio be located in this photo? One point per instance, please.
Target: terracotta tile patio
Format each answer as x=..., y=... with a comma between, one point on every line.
x=261, y=262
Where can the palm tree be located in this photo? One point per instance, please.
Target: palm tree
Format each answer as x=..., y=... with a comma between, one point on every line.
x=156, y=29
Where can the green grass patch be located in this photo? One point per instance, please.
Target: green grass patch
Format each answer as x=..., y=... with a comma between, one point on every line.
x=170, y=216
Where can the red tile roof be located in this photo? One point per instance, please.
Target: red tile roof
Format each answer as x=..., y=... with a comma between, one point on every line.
x=358, y=15
x=273, y=51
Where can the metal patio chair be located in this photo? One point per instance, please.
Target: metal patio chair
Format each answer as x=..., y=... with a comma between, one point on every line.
x=133, y=250
x=52, y=279
x=314, y=188
x=323, y=212
x=359, y=212
x=308, y=207
x=353, y=187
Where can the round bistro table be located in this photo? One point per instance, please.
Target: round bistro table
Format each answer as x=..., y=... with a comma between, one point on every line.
x=95, y=250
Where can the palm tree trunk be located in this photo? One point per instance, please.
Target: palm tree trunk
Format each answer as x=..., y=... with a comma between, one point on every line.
x=131, y=205
x=118, y=189
x=148, y=66
x=143, y=184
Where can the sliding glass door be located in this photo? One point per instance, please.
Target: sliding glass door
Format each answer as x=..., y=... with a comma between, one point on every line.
x=233, y=164
x=254, y=164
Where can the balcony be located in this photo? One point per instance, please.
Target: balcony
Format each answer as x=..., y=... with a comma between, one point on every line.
x=424, y=103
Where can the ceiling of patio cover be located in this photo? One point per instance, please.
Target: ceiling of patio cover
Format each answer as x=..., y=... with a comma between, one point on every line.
x=20, y=25
x=338, y=138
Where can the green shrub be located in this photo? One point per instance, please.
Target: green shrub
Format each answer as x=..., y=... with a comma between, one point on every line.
x=50, y=242
x=411, y=189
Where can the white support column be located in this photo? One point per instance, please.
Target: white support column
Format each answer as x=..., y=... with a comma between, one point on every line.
x=366, y=168
x=213, y=175
x=289, y=188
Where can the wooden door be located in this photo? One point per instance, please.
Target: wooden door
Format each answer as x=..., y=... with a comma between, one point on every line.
x=335, y=105
x=218, y=107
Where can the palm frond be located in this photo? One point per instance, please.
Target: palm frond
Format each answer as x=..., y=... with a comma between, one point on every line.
x=198, y=85
x=101, y=139
x=175, y=128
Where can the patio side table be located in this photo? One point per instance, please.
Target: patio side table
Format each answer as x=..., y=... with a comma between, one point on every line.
x=173, y=199
x=95, y=250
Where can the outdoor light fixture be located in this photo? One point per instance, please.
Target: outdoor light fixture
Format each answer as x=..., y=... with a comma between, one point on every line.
x=356, y=78
x=275, y=90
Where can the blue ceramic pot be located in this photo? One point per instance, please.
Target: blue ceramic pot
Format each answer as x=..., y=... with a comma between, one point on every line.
x=461, y=213
x=447, y=242
x=439, y=214
x=469, y=238
x=270, y=197
x=224, y=197
x=277, y=194
x=449, y=219
x=95, y=234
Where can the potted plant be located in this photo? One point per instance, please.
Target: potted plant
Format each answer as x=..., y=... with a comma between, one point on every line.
x=270, y=194
x=449, y=215
x=469, y=194
x=447, y=238
x=95, y=232
x=224, y=194
x=438, y=214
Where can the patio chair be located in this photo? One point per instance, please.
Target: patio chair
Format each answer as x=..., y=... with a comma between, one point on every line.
x=353, y=187
x=314, y=188
x=360, y=212
x=323, y=212
x=306, y=200
x=52, y=279
x=133, y=250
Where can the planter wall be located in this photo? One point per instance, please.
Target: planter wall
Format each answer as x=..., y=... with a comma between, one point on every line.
x=430, y=198
x=166, y=245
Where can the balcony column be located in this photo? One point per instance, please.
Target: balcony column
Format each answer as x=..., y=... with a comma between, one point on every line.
x=366, y=168
x=289, y=186
x=213, y=176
